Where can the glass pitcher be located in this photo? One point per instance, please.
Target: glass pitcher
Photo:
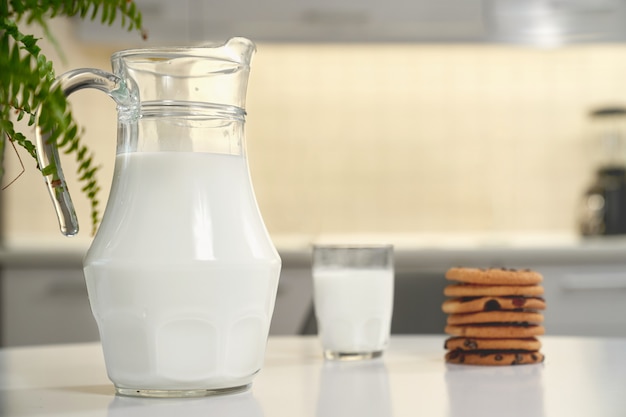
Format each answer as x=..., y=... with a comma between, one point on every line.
x=181, y=274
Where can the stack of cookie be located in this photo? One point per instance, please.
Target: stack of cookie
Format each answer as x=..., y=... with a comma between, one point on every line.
x=494, y=316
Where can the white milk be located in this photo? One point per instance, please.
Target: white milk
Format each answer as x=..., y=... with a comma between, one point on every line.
x=353, y=308
x=182, y=275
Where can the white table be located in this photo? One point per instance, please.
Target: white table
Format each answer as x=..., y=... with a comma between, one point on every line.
x=581, y=377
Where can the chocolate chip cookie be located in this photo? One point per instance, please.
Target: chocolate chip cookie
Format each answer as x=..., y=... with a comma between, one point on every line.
x=494, y=316
x=476, y=304
x=494, y=276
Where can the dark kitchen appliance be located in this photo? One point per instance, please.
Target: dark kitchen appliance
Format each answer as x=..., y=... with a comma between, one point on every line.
x=604, y=203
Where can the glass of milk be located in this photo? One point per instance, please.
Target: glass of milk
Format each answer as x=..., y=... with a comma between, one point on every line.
x=353, y=298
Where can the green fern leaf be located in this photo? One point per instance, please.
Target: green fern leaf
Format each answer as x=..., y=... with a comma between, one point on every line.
x=27, y=76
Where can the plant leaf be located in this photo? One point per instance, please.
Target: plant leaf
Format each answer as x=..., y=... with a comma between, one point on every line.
x=27, y=77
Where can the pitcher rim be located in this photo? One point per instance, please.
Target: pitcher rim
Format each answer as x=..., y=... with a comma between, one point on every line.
x=217, y=51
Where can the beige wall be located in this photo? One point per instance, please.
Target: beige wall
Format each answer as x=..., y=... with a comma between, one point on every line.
x=389, y=138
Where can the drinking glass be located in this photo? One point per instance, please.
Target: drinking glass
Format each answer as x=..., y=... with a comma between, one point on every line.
x=353, y=298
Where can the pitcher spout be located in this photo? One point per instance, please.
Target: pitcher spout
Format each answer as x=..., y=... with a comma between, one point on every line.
x=240, y=49
x=210, y=73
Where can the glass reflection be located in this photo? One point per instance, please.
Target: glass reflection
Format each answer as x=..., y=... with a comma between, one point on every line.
x=233, y=405
x=354, y=388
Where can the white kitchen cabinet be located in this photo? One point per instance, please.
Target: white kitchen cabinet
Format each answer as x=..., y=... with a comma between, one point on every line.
x=582, y=300
x=49, y=304
x=293, y=301
x=193, y=21
x=43, y=297
x=585, y=300
x=45, y=305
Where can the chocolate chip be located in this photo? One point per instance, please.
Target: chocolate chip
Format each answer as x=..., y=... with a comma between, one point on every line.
x=498, y=357
x=455, y=354
x=518, y=359
x=519, y=301
x=492, y=305
x=534, y=357
x=470, y=344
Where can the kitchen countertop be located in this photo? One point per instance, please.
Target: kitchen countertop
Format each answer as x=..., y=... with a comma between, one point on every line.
x=580, y=377
x=433, y=251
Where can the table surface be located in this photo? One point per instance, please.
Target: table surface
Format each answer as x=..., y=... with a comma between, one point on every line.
x=580, y=377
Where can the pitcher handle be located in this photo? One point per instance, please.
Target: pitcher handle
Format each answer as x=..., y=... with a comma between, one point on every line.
x=127, y=100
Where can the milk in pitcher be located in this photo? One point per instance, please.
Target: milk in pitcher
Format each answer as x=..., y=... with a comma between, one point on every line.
x=182, y=290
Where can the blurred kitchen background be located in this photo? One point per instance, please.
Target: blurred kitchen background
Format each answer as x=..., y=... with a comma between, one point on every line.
x=460, y=138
